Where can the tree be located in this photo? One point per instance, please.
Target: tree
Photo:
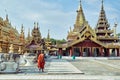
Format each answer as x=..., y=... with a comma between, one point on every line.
x=55, y=41
x=118, y=34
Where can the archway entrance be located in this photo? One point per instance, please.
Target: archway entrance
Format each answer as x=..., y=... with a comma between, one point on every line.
x=86, y=52
x=96, y=52
x=76, y=52
x=105, y=52
x=113, y=52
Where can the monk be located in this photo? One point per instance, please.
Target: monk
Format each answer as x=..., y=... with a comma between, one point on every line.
x=41, y=62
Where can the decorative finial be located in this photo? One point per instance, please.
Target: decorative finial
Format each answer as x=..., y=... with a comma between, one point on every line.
x=48, y=36
x=22, y=25
x=34, y=25
x=48, y=30
x=80, y=1
x=22, y=30
x=70, y=29
x=37, y=24
x=80, y=5
x=102, y=1
x=116, y=22
x=102, y=4
x=6, y=16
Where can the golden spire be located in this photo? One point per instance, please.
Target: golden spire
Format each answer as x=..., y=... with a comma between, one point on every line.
x=22, y=30
x=7, y=18
x=102, y=18
x=70, y=29
x=22, y=34
x=115, y=25
x=28, y=34
x=34, y=25
x=37, y=25
x=80, y=19
x=48, y=36
x=102, y=7
x=80, y=7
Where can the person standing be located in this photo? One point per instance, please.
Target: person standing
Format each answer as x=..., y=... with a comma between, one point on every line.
x=41, y=61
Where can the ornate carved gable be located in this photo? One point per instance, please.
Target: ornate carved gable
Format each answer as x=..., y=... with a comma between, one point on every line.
x=87, y=32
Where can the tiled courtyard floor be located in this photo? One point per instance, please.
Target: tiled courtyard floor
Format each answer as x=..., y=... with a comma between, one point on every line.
x=69, y=69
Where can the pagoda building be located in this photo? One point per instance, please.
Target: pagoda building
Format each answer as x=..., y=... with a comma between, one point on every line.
x=35, y=42
x=36, y=35
x=47, y=41
x=50, y=48
x=103, y=31
x=85, y=41
x=9, y=35
x=79, y=23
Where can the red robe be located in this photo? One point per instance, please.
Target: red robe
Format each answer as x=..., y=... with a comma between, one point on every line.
x=41, y=61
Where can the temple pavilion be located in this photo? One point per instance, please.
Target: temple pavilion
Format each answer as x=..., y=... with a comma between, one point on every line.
x=82, y=40
x=35, y=43
x=9, y=35
x=32, y=43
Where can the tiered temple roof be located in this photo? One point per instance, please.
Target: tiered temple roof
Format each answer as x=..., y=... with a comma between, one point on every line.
x=9, y=35
x=79, y=24
x=103, y=31
x=36, y=34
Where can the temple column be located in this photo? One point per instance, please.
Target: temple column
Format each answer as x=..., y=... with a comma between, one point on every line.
x=90, y=51
x=108, y=52
x=93, y=51
x=70, y=52
x=73, y=50
x=80, y=51
x=118, y=52
x=101, y=52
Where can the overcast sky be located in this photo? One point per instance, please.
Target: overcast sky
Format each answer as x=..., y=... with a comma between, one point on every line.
x=56, y=15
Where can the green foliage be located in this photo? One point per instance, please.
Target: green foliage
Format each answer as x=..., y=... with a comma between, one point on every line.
x=55, y=41
x=118, y=34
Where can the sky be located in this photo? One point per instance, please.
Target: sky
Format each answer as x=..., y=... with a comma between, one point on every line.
x=56, y=15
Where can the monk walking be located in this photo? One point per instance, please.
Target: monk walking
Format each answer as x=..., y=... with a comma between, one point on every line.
x=41, y=61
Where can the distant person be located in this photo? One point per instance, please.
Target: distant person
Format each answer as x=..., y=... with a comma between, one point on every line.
x=41, y=61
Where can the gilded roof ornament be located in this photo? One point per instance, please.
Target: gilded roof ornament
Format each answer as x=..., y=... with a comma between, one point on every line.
x=70, y=29
x=80, y=19
x=6, y=16
x=34, y=25
x=48, y=36
x=22, y=30
x=37, y=24
x=102, y=7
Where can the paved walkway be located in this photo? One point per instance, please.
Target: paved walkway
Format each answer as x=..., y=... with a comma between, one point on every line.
x=62, y=66
x=55, y=69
